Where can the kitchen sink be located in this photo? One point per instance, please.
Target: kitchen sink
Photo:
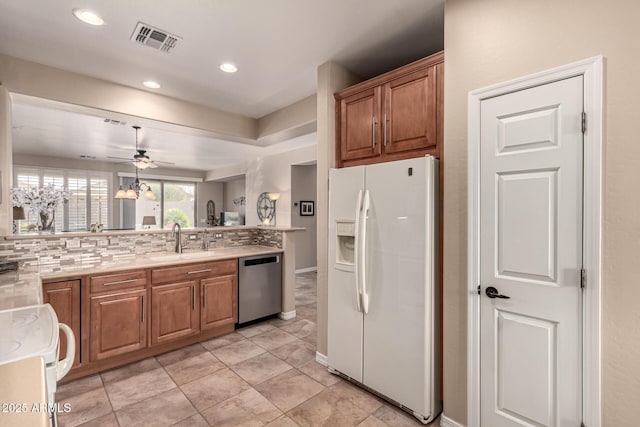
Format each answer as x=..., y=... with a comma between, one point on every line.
x=183, y=256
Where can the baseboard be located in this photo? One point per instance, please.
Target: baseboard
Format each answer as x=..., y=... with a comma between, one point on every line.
x=448, y=422
x=321, y=358
x=287, y=315
x=306, y=270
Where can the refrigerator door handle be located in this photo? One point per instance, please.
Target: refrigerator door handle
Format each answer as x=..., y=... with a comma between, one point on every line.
x=363, y=248
x=357, y=249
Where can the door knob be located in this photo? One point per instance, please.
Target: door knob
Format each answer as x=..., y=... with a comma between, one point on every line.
x=492, y=292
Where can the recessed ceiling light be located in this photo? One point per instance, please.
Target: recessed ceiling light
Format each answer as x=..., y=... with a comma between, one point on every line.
x=151, y=84
x=88, y=16
x=227, y=67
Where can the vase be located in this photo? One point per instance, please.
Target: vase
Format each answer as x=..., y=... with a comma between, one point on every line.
x=47, y=222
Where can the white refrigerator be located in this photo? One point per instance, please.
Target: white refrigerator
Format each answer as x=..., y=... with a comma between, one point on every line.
x=384, y=302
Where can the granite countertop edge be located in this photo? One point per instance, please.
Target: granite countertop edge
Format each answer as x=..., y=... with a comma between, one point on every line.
x=151, y=261
x=22, y=288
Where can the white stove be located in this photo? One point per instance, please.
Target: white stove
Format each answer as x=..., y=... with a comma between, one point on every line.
x=33, y=332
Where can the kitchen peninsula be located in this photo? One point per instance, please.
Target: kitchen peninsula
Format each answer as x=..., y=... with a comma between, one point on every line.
x=128, y=295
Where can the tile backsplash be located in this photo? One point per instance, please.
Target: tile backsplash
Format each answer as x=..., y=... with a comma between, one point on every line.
x=55, y=253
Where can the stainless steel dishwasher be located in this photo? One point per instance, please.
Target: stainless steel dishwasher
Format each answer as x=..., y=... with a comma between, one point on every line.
x=259, y=287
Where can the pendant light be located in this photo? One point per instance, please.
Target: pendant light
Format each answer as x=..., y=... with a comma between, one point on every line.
x=133, y=192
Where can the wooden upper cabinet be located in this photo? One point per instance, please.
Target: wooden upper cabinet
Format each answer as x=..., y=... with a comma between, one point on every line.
x=219, y=301
x=175, y=312
x=360, y=134
x=64, y=297
x=118, y=323
x=395, y=116
x=410, y=112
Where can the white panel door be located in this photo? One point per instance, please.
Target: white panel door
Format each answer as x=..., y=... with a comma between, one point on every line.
x=531, y=252
x=400, y=282
x=344, y=346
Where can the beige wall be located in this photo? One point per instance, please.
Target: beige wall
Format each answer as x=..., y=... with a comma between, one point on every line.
x=5, y=161
x=206, y=191
x=289, y=122
x=331, y=78
x=273, y=174
x=303, y=187
x=491, y=41
x=232, y=190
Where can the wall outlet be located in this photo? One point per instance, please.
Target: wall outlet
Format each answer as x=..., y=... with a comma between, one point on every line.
x=193, y=237
x=218, y=235
x=72, y=244
x=89, y=243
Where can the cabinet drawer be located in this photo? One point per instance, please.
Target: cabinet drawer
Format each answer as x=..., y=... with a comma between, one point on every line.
x=113, y=282
x=193, y=271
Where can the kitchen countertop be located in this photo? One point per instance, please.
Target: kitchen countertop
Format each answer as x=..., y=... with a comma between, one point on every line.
x=19, y=289
x=157, y=259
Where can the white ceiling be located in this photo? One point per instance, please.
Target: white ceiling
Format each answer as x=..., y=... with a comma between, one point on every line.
x=277, y=44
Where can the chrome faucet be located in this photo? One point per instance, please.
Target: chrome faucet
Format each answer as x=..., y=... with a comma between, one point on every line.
x=178, y=237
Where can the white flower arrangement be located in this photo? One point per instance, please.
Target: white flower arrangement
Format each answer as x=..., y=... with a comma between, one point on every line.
x=43, y=200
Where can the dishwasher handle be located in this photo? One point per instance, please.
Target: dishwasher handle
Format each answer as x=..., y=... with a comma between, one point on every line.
x=263, y=260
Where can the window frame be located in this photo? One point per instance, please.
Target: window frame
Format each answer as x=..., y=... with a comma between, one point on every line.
x=88, y=175
x=159, y=198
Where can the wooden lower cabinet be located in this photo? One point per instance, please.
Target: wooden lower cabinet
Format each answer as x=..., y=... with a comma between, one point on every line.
x=64, y=297
x=125, y=316
x=118, y=323
x=175, y=312
x=219, y=301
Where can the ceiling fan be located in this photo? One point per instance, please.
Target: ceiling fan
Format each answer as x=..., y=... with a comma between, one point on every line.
x=141, y=160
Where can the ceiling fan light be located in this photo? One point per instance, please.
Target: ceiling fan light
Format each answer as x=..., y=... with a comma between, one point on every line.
x=131, y=194
x=149, y=195
x=141, y=165
x=121, y=194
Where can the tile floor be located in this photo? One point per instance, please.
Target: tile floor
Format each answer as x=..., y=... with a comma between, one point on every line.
x=265, y=374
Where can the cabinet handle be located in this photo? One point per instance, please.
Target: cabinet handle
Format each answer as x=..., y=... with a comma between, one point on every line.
x=204, y=296
x=142, y=297
x=120, y=282
x=373, y=132
x=193, y=297
x=199, y=271
x=385, y=129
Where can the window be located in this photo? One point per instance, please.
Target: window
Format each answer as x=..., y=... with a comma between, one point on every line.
x=89, y=202
x=175, y=203
x=179, y=204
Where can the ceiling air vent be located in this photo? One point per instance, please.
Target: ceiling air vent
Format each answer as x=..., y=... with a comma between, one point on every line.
x=154, y=37
x=114, y=122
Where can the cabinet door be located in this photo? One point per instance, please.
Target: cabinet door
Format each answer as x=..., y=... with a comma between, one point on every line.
x=64, y=297
x=174, y=311
x=219, y=301
x=359, y=125
x=118, y=324
x=410, y=112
